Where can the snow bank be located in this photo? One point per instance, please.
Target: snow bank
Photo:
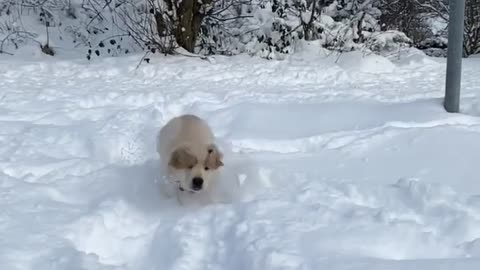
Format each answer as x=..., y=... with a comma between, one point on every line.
x=370, y=63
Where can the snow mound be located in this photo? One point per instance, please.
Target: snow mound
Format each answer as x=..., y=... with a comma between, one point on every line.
x=415, y=57
x=473, y=248
x=365, y=63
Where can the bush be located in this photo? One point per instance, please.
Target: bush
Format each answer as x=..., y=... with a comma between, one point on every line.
x=264, y=28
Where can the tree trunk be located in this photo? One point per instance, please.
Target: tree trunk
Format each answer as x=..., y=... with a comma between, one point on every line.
x=189, y=22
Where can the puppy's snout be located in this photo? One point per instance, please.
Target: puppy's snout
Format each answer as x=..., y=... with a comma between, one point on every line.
x=197, y=183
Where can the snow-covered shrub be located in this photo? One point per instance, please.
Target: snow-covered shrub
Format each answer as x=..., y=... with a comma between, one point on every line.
x=158, y=25
x=417, y=19
x=273, y=28
x=425, y=23
x=472, y=28
x=63, y=25
x=262, y=28
x=387, y=41
x=101, y=27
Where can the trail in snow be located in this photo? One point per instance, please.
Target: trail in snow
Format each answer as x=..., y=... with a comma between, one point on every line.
x=342, y=166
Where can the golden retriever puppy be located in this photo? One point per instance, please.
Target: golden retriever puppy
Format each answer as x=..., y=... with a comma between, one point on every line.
x=188, y=153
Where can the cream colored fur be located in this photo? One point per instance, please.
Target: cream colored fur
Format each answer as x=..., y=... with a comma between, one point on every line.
x=187, y=149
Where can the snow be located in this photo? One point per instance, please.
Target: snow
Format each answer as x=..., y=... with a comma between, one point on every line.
x=330, y=163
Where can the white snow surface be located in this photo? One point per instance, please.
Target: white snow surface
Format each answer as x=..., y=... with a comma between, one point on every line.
x=330, y=163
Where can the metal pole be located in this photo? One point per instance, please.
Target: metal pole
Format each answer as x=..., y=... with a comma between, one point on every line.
x=454, y=55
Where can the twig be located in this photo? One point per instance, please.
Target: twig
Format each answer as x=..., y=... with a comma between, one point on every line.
x=141, y=60
x=4, y=52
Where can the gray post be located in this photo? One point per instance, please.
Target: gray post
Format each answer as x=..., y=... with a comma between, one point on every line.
x=454, y=55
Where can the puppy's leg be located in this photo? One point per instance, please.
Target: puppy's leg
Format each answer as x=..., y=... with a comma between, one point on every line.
x=165, y=188
x=186, y=199
x=166, y=184
x=213, y=195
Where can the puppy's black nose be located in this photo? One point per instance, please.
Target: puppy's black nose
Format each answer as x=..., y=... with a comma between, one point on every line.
x=197, y=183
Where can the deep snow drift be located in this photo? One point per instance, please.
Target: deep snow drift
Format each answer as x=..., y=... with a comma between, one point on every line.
x=348, y=164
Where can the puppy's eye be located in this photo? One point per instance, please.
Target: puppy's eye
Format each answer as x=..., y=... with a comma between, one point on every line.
x=206, y=168
x=190, y=167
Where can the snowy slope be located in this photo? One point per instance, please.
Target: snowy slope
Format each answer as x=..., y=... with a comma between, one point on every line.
x=348, y=164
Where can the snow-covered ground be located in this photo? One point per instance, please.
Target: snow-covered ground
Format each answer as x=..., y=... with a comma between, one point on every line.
x=348, y=164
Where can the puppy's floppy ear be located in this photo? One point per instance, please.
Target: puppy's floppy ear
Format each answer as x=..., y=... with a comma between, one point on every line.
x=181, y=158
x=215, y=156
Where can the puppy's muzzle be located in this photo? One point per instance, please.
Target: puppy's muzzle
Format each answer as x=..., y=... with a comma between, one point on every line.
x=197, y=183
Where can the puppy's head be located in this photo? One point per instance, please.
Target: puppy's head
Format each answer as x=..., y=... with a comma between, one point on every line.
x=197, y=164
